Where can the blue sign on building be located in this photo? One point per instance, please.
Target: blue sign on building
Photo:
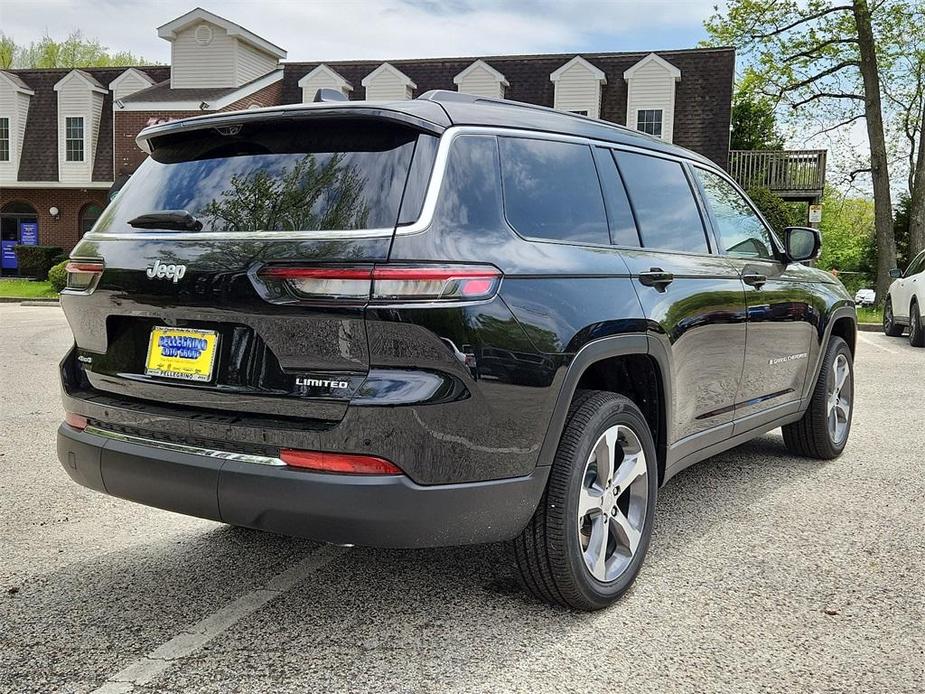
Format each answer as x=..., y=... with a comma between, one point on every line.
x=8, y=255
x=29, y=233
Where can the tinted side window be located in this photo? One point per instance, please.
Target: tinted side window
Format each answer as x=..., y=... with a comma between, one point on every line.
x=551, y=191
x=620, y=214
x=739, y=231
x=916, y=266
x=664, y=203
x=470, y=197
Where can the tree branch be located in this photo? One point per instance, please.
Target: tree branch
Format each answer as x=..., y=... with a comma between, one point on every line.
x=836, y=126
x=854, y=174
x=814, y=51
x=827, y=95
x=815, y=78
x=802, y=20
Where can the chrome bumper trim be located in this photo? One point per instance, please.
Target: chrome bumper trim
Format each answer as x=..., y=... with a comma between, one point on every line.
x=183, y=448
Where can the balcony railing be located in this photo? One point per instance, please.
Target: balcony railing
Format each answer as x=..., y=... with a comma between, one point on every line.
x=796, y=173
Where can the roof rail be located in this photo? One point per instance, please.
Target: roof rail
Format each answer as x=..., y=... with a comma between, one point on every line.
x=445, y=95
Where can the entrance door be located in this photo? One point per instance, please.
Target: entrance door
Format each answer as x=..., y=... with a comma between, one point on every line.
x=13, y=216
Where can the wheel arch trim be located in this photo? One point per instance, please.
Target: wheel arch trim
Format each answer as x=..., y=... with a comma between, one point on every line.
x=837, y=314
x=597, y=351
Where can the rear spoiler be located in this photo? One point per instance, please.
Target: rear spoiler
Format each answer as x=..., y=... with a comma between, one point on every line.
x=421, y=115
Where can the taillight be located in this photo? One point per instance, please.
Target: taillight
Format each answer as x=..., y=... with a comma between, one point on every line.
x=83, y=274
x=342, y=463
x=384, y=283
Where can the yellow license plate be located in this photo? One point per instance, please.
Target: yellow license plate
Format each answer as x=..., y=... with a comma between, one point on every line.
x=181, y=353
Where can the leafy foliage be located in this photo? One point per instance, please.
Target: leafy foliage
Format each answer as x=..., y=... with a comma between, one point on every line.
x=848, y=238
x=775, y=210
x=57, y=276
x=308, y=196
x=754, y=121
x=36, y=261
x=74, y=51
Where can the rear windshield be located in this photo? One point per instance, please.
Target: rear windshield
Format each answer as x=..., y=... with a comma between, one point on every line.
x=295, y=176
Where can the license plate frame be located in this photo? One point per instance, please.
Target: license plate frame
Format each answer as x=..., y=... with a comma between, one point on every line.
x=191, y=353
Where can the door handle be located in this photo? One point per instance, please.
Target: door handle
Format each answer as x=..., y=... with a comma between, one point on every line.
x=656, y=277
x=754, y=279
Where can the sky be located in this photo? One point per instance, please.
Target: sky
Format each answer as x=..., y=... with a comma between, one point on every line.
x=373, y=29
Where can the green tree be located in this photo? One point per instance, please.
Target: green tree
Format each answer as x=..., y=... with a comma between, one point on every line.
x=830, y=58
x=775, y=210
x=847, y=229
x=754, y=121
x=307, y=196
x=75, y=50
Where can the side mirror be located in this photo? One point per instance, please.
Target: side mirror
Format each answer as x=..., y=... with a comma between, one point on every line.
x=802, y=243
x=896, y=273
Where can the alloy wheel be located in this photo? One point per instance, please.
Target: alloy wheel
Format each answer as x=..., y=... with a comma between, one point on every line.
x=839, y=399
x=612, y=503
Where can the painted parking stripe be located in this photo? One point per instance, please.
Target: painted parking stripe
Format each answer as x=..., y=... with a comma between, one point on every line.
x=867, y=340
x=184, y=644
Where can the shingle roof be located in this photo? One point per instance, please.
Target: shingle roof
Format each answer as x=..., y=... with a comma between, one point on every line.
x=702, y=104
x=162, y=92
x=40, y=146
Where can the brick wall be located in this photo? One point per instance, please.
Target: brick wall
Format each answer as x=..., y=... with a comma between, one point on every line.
x=128, y=124
x=63, y=231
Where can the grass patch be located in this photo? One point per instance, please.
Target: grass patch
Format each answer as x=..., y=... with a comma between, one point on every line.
x=866, y=314
x=26, y=289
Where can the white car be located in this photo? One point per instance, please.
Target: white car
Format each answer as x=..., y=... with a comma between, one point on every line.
x=865, y=297
x=904, y=302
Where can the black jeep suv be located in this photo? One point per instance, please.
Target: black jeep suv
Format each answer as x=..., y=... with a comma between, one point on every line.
x=440, y=321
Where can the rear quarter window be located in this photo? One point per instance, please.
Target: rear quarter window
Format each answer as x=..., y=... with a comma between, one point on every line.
x=662, y=198
x=551, y=191
x=298, y=176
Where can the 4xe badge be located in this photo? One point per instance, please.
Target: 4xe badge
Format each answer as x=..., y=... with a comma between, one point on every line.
x=162, y=271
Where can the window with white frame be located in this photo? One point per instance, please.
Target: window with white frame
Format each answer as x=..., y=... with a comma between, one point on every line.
x=649, y=120
x=74, y=138
x=4, y=139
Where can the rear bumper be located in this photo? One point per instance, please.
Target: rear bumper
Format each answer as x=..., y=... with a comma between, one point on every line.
x=380, y=511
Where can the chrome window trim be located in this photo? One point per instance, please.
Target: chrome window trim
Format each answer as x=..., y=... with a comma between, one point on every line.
x=183, y=448
x=430, y=198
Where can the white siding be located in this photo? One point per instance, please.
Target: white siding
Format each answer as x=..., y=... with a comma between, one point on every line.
x=652, y=87
x=129, y=84
x=481, y=82
x=193, y=65
x=320, y=78
x=15, y=106
x=578, y=90
x=76, y=99
x=253, y=63
x=387, y=86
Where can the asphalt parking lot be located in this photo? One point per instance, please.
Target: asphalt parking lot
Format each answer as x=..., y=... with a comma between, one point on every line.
x=767, y=573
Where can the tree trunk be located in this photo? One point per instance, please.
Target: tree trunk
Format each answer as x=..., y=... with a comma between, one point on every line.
x=883, y=206
x=917, y=204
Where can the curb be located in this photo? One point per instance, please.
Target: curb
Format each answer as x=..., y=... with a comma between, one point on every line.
x=870, y=327
x=22, y=300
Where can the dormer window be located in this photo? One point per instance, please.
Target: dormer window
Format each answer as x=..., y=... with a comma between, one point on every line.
x=4, y=139
x=649, y=120
x=74, y=138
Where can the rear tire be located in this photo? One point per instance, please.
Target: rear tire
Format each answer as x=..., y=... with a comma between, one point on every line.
x=890, y=328
x=588, y=537
x=823, y=431
x=916, y=332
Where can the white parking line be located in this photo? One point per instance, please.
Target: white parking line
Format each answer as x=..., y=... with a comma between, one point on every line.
x=184, y=644
x=868, y=341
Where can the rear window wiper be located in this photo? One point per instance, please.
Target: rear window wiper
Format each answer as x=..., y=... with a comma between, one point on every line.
x=181, y=220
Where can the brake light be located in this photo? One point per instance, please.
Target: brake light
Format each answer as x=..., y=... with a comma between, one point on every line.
x=75, y=421
x=83, y=274
x=386, y=283
x=338, y=462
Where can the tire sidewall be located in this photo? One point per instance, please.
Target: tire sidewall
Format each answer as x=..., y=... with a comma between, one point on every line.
x=888, y=317
x=592, y=590
x=915, y=325
x=837, y=346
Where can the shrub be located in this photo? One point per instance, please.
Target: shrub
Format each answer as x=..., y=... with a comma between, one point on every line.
x=778, y=213
x=36, y=261
x=58, y=276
